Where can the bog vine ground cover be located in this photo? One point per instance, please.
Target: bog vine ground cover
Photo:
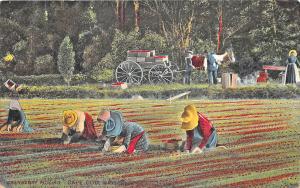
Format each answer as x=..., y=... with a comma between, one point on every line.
x=262, y=137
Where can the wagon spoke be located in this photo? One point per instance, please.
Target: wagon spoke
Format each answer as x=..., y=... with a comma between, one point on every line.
x=167, y=80
x=165, y=72
x=137, y=76
x=134, y=79
x=130, y=67
x=135, y=71
x=121, y=72
x=123, y=79
x=121, y=67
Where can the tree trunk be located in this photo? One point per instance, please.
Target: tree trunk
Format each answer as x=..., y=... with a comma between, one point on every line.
x=137, y=15
x=187, y=32
x=273, y=17
x=120, y=13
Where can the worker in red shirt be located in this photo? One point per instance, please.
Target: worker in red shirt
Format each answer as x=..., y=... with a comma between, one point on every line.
x=199, y=131
x=77, y=125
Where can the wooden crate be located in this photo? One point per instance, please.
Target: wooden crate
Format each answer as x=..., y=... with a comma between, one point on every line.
x=160, y=59
x=149, y=59
x=229, y=80
x=132, y=59
x=140, y=59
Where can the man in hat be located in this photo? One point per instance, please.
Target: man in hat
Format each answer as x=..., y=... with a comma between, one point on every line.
x=188, y=68
x=16, y=121
x=134, y=136
x=77, y=125
x=199, y=131
x=212, y=68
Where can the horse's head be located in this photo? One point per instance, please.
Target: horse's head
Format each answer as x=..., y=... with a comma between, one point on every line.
x=230, y=55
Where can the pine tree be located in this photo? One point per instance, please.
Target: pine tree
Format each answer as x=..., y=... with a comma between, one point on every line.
x=66, y=61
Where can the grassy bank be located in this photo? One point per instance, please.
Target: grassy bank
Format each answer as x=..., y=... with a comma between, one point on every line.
x=160, y=91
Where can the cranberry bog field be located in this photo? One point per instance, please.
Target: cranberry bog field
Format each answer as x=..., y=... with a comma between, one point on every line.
x=262, y=136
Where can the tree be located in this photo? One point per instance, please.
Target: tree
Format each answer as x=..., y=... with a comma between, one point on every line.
x=66, y=61
x=121, y=43
x=92, y=53
x=44, y=65
x=176, y=22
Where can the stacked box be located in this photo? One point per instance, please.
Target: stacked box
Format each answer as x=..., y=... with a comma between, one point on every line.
x=160, y=59
x=229, y=80
x=144, y=54
x=140, y=59
x=132, y=53
x=141, y=53
x=149, y=59
x=131, y=59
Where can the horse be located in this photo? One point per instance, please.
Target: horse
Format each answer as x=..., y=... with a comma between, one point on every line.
x=199, y=61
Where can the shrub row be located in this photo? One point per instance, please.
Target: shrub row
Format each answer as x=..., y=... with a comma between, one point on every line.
x=160, y=91
x=50, y=79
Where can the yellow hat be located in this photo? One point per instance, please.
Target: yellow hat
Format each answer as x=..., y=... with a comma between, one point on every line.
x=8, y=58
x=189, y=118
x=70, y=118
x=293, y=53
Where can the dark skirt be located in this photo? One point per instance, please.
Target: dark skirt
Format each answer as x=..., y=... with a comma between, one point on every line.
x=291, y=74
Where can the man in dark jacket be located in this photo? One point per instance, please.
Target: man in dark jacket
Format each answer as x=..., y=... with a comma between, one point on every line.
x=188, y=68
x=212, y=68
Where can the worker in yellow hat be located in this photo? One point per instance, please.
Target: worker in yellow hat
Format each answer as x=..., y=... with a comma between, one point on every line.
x=291, y=71
x=77, y=125
x=199, y=131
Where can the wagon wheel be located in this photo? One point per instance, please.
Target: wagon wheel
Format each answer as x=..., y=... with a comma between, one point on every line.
x=160, y=74
x=129, y=72
x=174, y=67
x=176, y=72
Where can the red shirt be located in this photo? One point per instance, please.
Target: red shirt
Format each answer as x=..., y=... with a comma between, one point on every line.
x=89, y=131
x=205, y=127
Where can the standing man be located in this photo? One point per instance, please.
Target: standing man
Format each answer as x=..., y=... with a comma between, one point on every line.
x=188, y=68
x=212, y=68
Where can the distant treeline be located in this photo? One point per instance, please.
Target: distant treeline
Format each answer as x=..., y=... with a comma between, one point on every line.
x=101, y=32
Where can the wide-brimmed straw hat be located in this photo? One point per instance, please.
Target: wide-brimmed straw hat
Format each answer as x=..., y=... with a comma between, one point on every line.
x=189, y=118
x=70, y=118
x=293, y=53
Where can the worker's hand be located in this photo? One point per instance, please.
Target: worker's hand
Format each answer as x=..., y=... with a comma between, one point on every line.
x=19, y=128
x=118, y=141
x=9, y=127
x=186, y=151
x=121, y=149
x=67, y=140
x=196, y=150
x=106, y=146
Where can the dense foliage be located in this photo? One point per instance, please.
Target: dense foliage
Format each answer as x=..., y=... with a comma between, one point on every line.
x=261, y=32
